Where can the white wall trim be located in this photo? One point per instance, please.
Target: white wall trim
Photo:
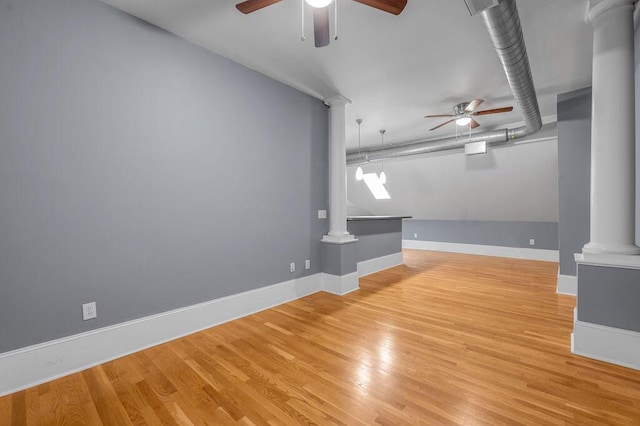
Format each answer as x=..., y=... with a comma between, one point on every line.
x=26, y=367
x=608, y=344
x=513, y=252
x=340, y=285
x=567, y=284
x=608, y=260
x=371, y=266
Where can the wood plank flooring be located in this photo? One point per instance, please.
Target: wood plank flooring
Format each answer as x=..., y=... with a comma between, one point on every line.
x=444, y=339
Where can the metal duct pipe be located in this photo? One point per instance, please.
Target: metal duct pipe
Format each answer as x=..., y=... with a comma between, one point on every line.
x=417, y=148
x=503, y=24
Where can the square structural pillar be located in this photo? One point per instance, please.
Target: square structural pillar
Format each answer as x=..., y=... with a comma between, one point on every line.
x=339, y=263
x=607, y=320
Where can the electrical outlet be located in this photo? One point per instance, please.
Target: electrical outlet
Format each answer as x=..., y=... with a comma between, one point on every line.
x=292, y=267
x=322, y=214
x=532, y=242
x=415, y=235
x=89, y=311
x=307, y=264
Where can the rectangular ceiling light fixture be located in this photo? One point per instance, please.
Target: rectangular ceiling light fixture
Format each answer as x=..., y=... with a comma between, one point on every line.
x=376, y=187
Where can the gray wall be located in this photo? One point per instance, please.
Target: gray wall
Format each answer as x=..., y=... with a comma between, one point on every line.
x=142, y=172
x=574, y=165
x=506, y=234
x=376, y=238
x=609, y=296
x=339, y=259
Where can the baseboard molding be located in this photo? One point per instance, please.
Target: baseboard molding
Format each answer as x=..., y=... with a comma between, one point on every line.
x=500, y=251
x=340, y=285
x=608, y=344
x=33, y=365
x=567, y=284
x=371, y=266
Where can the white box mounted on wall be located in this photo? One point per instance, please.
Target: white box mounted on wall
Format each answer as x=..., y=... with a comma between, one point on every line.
x=475, y=148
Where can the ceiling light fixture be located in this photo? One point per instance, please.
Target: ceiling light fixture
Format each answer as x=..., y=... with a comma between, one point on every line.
x=318, y=3
x=359, y=172
x=383, y=177
x=463, y=121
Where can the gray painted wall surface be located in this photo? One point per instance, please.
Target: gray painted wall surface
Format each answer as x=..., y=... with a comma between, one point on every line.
x=339, y=259
x=376, y=238
x=609, y=296
x=142, y=172
x=505, y=234
x=574, y=171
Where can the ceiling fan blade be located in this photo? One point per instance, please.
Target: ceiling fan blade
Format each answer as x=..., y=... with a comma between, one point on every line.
x=253, y=5
x=493, y=111
x=473, y=124
x=473, y=105
x=321, y=26
x=391, y=6
x=439, y=115
x=442, y=124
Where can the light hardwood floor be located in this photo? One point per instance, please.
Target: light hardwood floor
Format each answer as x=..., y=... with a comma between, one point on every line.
x=444, y=339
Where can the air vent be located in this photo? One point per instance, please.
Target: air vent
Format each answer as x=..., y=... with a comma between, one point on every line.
x=477, y=6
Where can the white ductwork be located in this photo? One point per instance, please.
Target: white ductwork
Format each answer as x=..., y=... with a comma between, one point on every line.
x=503, y=24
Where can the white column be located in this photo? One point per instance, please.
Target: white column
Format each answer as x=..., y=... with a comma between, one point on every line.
x=612, y=130
x=337, y=172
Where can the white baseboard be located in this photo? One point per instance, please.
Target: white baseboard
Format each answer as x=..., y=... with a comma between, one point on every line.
x=608, y=344
x=340, y=285
x=567, y=284
x=513, y=252
x=33, y=365
x=367, y=267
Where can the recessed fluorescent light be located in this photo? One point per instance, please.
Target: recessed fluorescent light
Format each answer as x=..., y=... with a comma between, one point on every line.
x=376, y=187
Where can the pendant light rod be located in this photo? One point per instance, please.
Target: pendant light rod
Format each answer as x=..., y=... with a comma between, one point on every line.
x=383, y=176
x=302, y=37
x=359, y=172
x=335, y=16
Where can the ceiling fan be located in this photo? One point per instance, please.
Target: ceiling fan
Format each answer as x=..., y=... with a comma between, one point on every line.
x=321, y=12
x=463, y=114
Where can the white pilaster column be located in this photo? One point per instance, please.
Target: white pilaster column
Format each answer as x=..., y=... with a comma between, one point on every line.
x=612, y=130
x=337, y=171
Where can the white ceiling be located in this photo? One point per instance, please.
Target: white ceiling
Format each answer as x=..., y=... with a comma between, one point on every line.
x=395, y=69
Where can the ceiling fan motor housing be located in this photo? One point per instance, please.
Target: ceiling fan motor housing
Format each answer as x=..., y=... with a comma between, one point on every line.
x=459, y=109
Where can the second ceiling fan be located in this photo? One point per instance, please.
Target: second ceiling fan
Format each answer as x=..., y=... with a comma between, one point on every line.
x=321, y=12
x=464, y=112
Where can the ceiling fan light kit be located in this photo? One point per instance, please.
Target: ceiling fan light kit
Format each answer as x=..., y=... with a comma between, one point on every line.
x=318, y=3
x=321, y=13
x=464, y=112
x=464, y=121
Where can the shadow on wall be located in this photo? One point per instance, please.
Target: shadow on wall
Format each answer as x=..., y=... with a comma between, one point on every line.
x=354, y=209
x=480, y=162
